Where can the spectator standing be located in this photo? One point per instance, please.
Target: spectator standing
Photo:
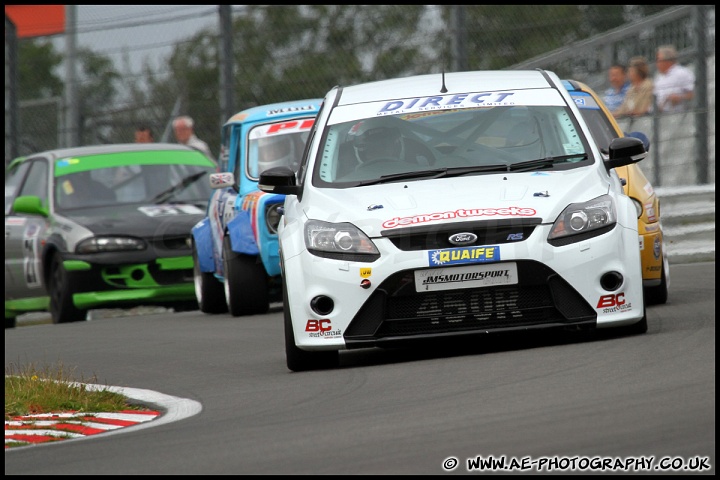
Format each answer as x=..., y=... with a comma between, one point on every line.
x=639, y=97
x=184, y=129
x=674, y=84
x=619, y=85
x=143, y=134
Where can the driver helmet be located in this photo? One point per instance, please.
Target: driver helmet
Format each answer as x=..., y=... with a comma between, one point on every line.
x=275, y=151
x=373, y=142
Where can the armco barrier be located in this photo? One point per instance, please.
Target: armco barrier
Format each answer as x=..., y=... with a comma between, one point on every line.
x=688, y=218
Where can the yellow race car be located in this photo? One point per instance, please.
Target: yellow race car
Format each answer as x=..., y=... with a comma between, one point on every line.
x=653, y=252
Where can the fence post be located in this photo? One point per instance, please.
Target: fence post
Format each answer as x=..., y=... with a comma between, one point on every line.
x=701, y=96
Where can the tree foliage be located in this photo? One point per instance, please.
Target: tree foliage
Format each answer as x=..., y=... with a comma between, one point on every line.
x=288, y=52
x=37, y=70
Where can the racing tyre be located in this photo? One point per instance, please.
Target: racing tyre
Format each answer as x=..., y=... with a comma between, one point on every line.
x=636, y=328
x=61, y=293
x=301, y=360
x=208, y=289
x=246, y=283
x=658, y=295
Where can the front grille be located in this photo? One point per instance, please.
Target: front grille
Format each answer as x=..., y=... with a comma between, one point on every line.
x=144, y=276
x=489, y=232
x=395, y=311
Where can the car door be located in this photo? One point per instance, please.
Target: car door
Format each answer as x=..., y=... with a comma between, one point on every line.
x=24, y=234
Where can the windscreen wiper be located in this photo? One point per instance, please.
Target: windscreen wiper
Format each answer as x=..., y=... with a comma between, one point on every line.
x=435, y=173
x=541, y=163
x=166, y=195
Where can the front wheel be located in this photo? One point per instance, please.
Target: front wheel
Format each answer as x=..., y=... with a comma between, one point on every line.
x=658, y=295
x=301, y=360
x=209, y=290
x=246, y=283
x=60, y=290
x=638, y=328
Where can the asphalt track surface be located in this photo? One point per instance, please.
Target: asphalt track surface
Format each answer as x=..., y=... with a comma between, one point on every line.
x=541, y=399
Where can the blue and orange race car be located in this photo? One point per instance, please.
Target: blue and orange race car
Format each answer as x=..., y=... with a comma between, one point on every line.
x=235, y=246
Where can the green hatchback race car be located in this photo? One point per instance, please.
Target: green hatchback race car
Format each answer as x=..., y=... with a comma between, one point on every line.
x=104, y=226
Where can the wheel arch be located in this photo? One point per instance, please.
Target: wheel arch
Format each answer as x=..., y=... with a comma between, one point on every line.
x=242, y=236
x=202, y=238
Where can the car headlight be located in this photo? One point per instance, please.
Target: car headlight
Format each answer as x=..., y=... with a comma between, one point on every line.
x=580, y=221
x=273, y=212
x=340, y=241
x=110, y=244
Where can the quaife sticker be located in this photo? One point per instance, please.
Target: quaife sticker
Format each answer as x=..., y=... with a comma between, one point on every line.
x=452, y=256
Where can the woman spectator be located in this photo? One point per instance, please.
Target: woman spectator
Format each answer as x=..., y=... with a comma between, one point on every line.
x=639, y=98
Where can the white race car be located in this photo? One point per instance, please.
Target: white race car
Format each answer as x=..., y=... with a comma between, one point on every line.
x=453, y=205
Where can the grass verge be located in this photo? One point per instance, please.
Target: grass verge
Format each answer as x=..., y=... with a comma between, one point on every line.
x=30, y=389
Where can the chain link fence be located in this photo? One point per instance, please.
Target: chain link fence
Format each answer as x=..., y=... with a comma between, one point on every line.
x=251, y=55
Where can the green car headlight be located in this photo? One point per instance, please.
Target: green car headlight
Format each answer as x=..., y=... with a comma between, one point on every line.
x=110, y=244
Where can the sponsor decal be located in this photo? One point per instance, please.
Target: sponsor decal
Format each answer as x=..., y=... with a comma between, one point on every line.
x=67, y=187
x=251, y=199
x=66, y=162
x=652, y=228
x=365, y=272
x=303, y=108
x=460, y=213
x=321, y=329
x=650, y=211
x=290, y=126
x=613, y=303
x=250, y=203
x=648, y=189
x=15, y=220
x=515, y=237
x=464, y=255
x=466, y=276
x=657, y=248
x=442, y=102
x=653, y=268
x=642, y=242
x=415, y=116
x=374, y=207
x=165, y=210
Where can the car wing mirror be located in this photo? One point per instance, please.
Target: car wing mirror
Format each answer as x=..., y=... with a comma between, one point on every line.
x=279, y=180
x=30, y=204
x=625, y=151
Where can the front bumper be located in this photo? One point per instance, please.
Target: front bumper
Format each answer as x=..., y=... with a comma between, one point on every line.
x=558, y=287
x=162, y=281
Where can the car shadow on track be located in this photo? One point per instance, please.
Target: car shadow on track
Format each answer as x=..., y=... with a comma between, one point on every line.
x=472, y=345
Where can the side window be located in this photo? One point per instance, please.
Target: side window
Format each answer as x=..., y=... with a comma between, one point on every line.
x=224, y=157
x=36, y=182
x=13, y=180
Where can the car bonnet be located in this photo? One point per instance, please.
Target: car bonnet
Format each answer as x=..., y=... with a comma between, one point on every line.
x=375, y=208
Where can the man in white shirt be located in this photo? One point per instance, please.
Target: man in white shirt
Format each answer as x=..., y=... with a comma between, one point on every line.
x=185, y=133
x=674, y=84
